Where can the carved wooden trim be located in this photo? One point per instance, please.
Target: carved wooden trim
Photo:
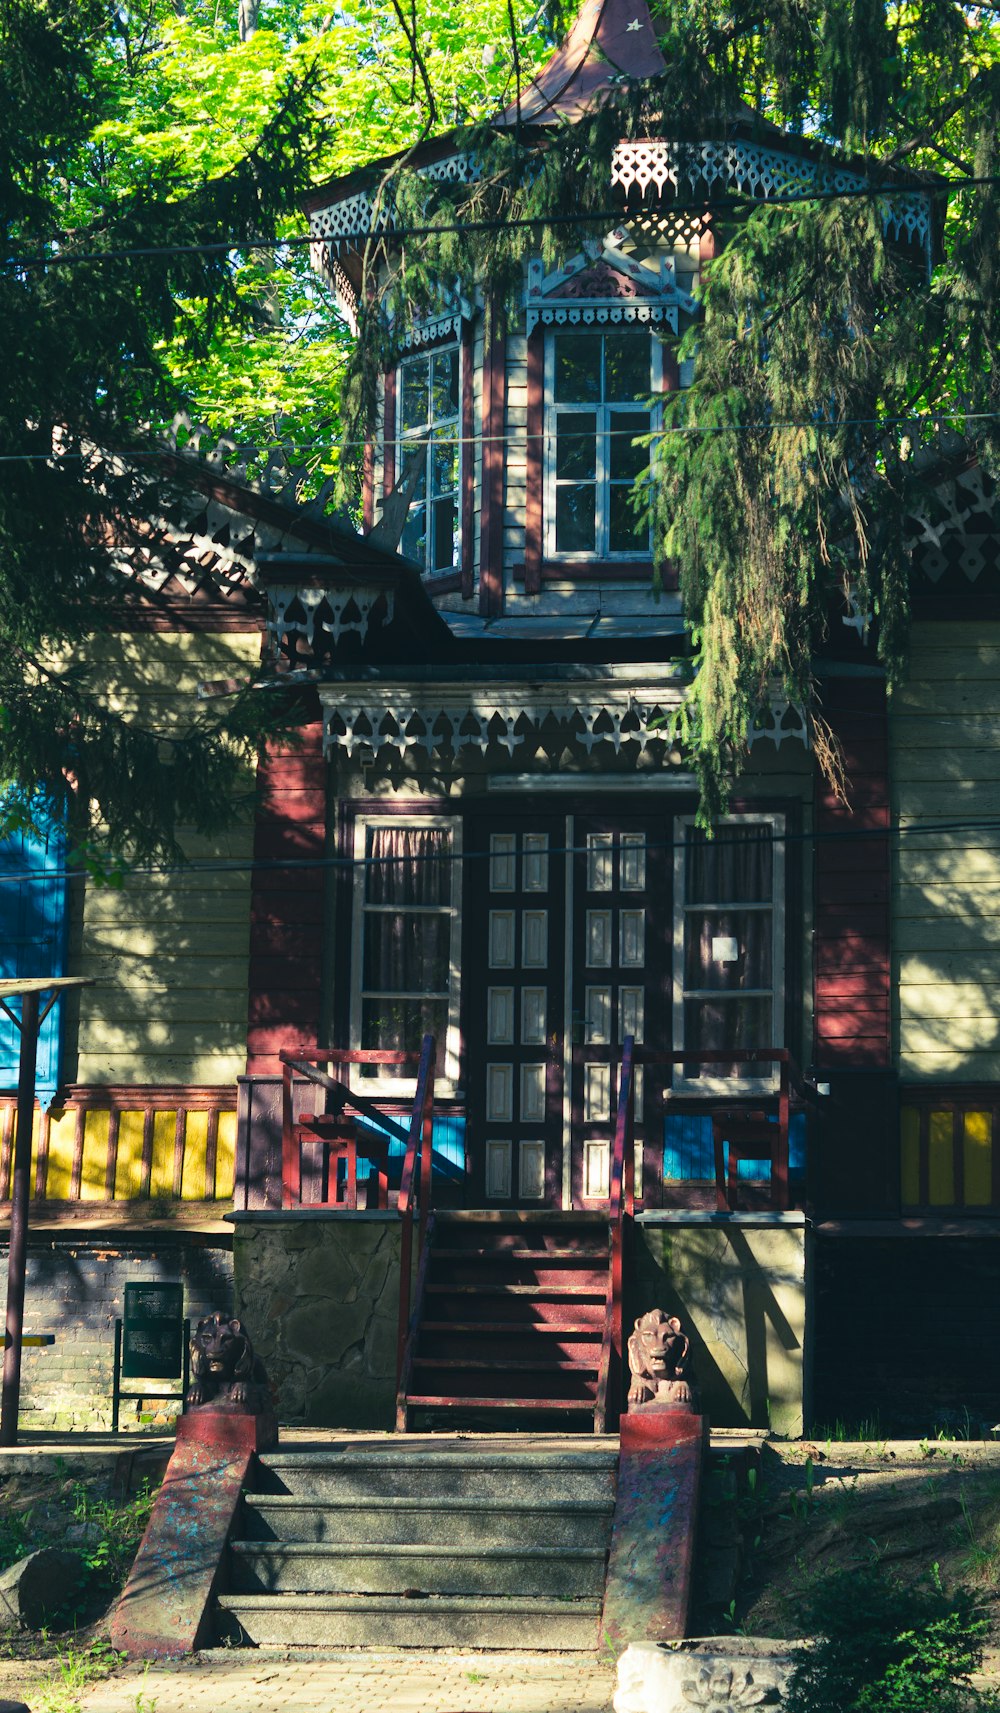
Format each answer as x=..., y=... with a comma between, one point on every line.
x=535, y=463
x=491, y=527
x=467, y=463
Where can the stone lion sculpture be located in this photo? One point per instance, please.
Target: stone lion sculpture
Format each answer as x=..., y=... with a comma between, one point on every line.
x=226, y=1373
x=657, y=1357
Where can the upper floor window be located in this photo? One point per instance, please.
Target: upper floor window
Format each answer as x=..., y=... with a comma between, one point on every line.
x=597, y=392
x=429, y=414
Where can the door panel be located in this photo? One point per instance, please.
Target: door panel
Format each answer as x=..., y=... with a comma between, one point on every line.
x=515, y=942
x=620, y=985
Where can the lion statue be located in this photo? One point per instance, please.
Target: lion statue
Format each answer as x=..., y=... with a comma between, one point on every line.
x=226, y=1373
x=657, y=1357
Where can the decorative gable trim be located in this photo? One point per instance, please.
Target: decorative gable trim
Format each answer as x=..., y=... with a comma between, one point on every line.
x=607, y=288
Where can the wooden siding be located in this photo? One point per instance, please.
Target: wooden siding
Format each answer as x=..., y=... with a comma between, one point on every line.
x=129, y=1144
x=168, y=950
x=944, y=729
x=852, y=1019
x=288, y=904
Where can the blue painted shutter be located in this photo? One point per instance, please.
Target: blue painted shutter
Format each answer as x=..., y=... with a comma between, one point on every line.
x=32, y=943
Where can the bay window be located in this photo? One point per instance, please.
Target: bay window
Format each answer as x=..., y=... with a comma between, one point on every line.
x=429, y=401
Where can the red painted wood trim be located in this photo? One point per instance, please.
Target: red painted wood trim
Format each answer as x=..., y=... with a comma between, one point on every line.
x=389, y=433
x=607, y=571
x=180, y=1126
x=287, y=904
x=77, y=1174
x=111, y=1171
x=42, y=1161
x=852, y=1021
x=467, y=464
x=491, y=530
x=535, y=456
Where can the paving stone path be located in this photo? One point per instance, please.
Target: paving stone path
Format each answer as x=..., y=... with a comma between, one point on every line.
x=402, y=1681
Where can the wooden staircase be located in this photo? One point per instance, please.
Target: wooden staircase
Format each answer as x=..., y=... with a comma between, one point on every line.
x=511, y=1323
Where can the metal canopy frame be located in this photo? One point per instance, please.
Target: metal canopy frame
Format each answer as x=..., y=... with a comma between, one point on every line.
x=32, y=992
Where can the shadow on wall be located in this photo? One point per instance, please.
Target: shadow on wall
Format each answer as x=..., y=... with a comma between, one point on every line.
x=739, y=1290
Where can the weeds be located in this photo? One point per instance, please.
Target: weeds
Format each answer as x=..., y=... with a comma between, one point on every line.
x=78, y=1669
x=886, y=1648
x=116, y=1529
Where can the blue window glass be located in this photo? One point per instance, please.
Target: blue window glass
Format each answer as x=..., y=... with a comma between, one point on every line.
x=32, y=943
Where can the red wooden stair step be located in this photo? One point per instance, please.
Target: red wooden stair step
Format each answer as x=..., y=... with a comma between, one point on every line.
x=452, y=1402
x=519, y=1328
x=504, y=1366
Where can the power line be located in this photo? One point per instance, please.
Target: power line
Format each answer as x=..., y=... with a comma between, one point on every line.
x=389, y=234
x=350, y=863
x=910, y=420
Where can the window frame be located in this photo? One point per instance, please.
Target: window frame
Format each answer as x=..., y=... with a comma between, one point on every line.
x=715, y=1084
x=395, y=445
x=401, y=1088
x=551, y=410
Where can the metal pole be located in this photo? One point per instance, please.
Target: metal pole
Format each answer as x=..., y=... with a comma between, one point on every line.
x=20, y=1195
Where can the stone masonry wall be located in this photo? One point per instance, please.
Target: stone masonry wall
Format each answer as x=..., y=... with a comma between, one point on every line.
x=739, y=1286
x=75, y=1289
x=321, y=1293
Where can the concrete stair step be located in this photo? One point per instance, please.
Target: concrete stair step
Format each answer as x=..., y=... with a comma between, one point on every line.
x=434, y=1521
x=330, y=1620
x=411, y=1471
x=280, y=1567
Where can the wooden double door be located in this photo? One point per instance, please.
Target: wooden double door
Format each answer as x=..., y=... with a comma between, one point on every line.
x=566, y=950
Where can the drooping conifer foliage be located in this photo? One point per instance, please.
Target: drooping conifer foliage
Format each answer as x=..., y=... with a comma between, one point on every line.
x=834, y=363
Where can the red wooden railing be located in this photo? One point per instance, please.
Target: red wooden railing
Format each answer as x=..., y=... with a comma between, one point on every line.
x=304, y=1062
x=621, y=1207
x=419, y=1142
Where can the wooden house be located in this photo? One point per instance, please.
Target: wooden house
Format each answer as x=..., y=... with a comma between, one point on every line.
x=486, y=833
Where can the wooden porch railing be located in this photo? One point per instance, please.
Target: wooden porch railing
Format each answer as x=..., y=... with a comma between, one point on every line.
x=304, y=1062
x=419, y=1142
x=621, y=1207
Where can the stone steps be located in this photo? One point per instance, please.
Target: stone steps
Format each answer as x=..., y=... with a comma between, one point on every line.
x=330, y=1620
x=286, y=1517
x=295, y=1567
x=417, y=1543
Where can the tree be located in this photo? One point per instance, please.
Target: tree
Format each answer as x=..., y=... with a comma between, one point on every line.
x=133, y=136
x=828, y=354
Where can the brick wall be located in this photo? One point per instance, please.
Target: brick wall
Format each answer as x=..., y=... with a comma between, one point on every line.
x=75, y=1289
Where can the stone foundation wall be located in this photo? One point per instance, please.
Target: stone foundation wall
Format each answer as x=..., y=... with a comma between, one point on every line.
x=738, y=1282
x=321, y=1294
x=75, y=1289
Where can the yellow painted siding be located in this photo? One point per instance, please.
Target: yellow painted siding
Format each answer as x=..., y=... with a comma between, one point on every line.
x=169, y=951
x=944, y=730
x=958, y=1160
x=62, y=1143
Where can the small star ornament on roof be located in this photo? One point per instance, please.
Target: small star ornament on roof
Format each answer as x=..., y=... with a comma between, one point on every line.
x=635, y=25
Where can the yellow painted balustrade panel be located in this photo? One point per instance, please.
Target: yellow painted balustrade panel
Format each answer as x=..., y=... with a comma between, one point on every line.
x=62, y=1146
x=96, y=1136
x=941, y=1160
x=193, y=1185
x=909, y=1156
x=161, y=1175
x=128, y=1168
x=225, y=1157
x=977, y=1154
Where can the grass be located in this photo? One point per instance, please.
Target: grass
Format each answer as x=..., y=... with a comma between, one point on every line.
x=78, y=1668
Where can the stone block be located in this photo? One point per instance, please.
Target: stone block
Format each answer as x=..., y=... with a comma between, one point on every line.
x=717, y=1672
x=33, y=1589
